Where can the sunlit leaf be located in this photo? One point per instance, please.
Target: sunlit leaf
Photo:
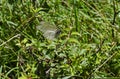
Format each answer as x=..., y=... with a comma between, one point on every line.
x=72, y=40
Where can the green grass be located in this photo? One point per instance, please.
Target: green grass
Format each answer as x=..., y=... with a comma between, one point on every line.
x=88, y=47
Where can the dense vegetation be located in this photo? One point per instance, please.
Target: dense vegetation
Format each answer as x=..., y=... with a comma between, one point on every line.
x=87, y=48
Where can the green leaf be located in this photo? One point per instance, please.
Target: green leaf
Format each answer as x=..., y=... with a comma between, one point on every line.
x=73, y=40
x=12, y=23
x=67, y=77
x=75, y=33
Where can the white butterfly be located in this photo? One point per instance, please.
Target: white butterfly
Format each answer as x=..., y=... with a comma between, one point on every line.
x=49, y=31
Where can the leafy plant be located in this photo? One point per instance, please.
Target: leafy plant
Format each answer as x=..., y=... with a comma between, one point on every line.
x=87, y=48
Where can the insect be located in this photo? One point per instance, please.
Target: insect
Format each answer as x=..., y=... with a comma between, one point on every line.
x=49, y=31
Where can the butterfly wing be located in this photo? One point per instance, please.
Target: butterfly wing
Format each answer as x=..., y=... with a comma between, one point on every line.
x=50, y=35
x=44, y=26
x=49, y=31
